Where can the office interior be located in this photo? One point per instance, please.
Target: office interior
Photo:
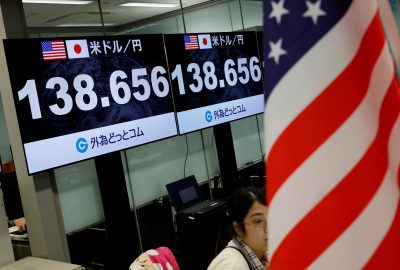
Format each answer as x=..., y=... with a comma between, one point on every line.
x=67, y=208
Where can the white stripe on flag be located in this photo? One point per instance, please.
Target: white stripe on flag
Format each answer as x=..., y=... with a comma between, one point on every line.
x=287, y=93
x=357, y=244
x=327, y=166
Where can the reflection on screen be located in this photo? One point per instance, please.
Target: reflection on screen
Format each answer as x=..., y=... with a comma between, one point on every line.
x=188, y=194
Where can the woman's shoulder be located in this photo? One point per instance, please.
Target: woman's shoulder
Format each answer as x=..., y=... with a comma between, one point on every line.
x=229, y=258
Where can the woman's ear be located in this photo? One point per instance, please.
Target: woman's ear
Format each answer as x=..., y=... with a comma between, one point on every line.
x=237, y=228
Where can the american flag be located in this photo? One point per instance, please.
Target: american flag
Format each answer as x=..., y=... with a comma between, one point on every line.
x=332, y=136
x=53, y=50
x=191, y=42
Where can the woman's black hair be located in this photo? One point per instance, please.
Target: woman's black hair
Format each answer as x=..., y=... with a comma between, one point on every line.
x=238, y=206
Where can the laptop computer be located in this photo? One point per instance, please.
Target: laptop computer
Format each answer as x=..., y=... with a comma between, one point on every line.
x=186, y=197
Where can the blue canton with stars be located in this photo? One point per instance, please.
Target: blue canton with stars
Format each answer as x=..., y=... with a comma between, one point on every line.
x=291, y=28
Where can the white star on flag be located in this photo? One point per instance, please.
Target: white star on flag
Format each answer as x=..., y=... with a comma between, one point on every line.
x=278, y=11
x=314, y=11
x=276, y=50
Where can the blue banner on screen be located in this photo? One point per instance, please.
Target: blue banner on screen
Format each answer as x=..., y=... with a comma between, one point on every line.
x=78, y=98
x=215, y=78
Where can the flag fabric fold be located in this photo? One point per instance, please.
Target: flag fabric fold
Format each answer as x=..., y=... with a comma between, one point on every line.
x=332, y=136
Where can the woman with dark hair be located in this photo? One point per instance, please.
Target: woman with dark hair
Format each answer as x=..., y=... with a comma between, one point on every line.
x=242, y=241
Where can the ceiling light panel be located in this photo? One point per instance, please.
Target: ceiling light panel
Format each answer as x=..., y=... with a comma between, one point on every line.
x=57, y=2
x=147, y=4
x=84, y=24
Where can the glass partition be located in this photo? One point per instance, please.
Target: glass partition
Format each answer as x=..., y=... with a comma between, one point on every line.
x=5, y=151
x=246, y=141
x=154, y=165
x=79, y=196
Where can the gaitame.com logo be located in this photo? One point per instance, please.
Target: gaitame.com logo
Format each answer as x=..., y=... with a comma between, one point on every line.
x=208, y=116
x=81, y=145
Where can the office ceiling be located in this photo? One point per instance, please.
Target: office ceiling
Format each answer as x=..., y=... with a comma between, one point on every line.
x=54, y=16
x=51, y=15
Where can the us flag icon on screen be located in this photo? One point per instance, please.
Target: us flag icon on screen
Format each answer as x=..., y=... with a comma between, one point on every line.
x=53, y=50
x=191, y=42
x=77, y=48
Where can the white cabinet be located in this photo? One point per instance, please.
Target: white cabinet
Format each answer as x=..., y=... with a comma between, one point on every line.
x=33, y=263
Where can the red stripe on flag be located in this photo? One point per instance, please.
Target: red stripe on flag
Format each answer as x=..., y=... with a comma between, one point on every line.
x=319, y=228
x=387, y=254
x=305, y=134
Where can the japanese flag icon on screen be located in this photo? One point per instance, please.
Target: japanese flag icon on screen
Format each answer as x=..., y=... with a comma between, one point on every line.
x=77, y=48
x=204, y=41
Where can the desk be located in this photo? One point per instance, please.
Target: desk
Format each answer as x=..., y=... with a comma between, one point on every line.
x=34, y=263
x=20, y=243
x=197, y=250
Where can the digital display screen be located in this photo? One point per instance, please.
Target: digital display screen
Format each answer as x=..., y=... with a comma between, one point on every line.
x=77, y=98
x=188, y=194
x=215, y=78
